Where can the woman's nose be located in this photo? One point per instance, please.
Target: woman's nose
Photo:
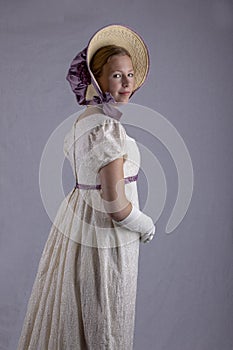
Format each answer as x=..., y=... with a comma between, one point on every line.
x=125, y=81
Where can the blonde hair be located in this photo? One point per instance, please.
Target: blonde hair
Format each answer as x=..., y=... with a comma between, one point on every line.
x=101, y=56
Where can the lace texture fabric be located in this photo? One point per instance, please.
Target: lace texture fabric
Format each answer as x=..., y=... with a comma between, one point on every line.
x=84, y=293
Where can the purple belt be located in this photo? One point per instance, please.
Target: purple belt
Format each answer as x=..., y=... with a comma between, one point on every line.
x=98, y=187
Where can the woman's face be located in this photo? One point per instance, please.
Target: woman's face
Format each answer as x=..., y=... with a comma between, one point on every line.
x=118, y=77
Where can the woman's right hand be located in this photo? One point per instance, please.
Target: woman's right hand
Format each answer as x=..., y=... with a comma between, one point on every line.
x=147, y=237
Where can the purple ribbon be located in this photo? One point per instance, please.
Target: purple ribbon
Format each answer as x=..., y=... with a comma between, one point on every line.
x=98, y=187
x=79, y=78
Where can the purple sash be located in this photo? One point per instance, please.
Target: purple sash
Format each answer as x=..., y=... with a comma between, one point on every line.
x=98, y=187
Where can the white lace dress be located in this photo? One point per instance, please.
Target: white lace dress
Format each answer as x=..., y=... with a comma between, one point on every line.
x=84, y=293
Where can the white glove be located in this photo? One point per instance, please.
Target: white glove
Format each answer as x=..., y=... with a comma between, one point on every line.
x=137, y=221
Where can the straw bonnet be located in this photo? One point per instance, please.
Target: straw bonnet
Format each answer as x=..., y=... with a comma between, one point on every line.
x=125, y=37
x=82, y=80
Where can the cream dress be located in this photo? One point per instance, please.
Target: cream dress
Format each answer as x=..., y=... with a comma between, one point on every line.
x=84, y=293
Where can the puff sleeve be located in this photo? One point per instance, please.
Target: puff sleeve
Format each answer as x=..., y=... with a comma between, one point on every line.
x=107, y=142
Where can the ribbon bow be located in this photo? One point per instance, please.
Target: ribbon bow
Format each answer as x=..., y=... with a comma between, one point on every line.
x=79, y=78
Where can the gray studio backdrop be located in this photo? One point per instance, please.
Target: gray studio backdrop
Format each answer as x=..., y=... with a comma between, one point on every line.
x=184, y=299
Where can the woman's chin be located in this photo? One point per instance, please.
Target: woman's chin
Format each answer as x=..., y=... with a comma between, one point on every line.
x=121, y=103
x=122, y=99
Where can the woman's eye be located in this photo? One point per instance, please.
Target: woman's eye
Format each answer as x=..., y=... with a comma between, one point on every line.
x=117, y=75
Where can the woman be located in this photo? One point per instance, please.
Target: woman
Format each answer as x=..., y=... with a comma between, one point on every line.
x=84, y=293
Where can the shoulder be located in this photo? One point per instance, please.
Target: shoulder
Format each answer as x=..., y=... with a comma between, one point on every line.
x=108, y=127
x=98, y=124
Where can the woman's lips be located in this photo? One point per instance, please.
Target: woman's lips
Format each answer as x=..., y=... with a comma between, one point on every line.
x=124, y=93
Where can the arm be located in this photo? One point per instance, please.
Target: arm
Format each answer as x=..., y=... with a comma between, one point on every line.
x=113, y=190
x=118, y=207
